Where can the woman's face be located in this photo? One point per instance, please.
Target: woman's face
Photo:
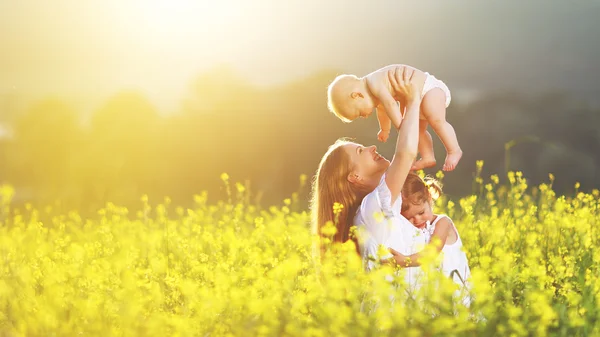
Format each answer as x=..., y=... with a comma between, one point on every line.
x=366, y=163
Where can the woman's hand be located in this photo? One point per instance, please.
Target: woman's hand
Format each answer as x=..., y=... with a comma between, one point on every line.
x=401, y=82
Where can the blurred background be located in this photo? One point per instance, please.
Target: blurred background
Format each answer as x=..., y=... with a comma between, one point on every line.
x=109, y=100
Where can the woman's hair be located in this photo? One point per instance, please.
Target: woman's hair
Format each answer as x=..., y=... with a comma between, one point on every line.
x=417, y=190
x=330, y=185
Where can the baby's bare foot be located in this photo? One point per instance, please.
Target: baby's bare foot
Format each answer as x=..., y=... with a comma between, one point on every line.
x=452, y=159
x=423, y=163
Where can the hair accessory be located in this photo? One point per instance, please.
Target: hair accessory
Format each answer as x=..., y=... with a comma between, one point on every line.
x=434, y=193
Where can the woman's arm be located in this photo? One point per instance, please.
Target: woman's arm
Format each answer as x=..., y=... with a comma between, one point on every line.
x=408, y=133
x=438, y=240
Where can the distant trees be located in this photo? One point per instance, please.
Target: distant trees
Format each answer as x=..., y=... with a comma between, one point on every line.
x=44, y=152
x=269, y=136
x=551, y=133
x=121, y=157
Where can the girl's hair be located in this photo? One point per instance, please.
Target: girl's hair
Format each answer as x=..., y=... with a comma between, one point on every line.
x=330, y=185
x=417, y=190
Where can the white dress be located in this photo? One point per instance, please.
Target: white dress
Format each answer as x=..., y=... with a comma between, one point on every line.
x=379, y=222
x=454, y=260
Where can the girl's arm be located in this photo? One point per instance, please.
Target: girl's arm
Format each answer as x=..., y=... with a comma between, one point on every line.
x=438, y=240
x=408, y=131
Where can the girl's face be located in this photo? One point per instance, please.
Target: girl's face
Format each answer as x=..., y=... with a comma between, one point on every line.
x=419, y=214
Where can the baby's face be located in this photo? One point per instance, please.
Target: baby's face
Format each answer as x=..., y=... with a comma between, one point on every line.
x=362, y=108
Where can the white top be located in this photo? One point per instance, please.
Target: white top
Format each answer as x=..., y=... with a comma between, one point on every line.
x=454, y=258
x=380, y=223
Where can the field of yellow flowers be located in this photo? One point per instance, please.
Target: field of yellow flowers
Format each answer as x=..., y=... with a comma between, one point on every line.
x=235, y=269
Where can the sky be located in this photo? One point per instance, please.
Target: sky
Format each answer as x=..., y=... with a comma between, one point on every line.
x=88, y=50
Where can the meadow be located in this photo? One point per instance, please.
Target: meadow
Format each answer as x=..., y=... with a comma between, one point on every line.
x=232, y=268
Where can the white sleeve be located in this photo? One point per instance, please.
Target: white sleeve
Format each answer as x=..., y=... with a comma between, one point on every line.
x=377, y=211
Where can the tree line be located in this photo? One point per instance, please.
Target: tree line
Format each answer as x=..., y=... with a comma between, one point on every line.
x=266, y=138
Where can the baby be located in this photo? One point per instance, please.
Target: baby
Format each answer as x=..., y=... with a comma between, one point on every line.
x=350, y=97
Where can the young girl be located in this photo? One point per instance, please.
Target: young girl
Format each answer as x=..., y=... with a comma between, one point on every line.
x=417, y=201
x=350, y=97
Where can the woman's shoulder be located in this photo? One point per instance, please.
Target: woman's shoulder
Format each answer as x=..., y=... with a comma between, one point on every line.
x=380, y=200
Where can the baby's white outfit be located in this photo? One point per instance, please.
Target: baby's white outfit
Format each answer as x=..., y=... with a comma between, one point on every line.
x=431, y=82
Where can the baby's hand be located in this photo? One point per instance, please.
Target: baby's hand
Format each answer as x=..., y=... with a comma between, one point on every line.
x=383, y=135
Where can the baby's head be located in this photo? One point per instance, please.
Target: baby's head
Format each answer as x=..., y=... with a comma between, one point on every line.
x=348, y=98
x=417, y=199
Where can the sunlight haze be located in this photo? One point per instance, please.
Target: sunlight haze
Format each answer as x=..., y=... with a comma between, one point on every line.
x=89, y=50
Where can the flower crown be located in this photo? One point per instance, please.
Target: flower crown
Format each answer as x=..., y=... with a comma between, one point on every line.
x=434, y=192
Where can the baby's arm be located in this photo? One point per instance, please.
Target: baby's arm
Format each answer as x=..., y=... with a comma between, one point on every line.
x=391, y=109
x=385, y=124
x=378, y=84
x=438, y=240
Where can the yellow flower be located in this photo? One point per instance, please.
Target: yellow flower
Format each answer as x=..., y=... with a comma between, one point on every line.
x=329, y=229
x=495, y=179
x=303, y=178
x=6, y=193
x=240, y=188
x=383, y=252
x=337, y=208
x=439, y=175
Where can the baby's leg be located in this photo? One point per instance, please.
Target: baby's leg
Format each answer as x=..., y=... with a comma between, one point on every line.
x=425, y=148
x=434, y=109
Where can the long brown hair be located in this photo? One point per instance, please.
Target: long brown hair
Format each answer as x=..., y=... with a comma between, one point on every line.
x=330, y=185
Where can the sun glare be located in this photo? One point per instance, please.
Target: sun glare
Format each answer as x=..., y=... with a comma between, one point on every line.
x=181, y=16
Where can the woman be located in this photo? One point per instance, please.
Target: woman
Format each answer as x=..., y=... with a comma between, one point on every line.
x=368, y=185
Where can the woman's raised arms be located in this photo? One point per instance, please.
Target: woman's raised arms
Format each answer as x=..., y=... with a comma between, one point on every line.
x=408, y=132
